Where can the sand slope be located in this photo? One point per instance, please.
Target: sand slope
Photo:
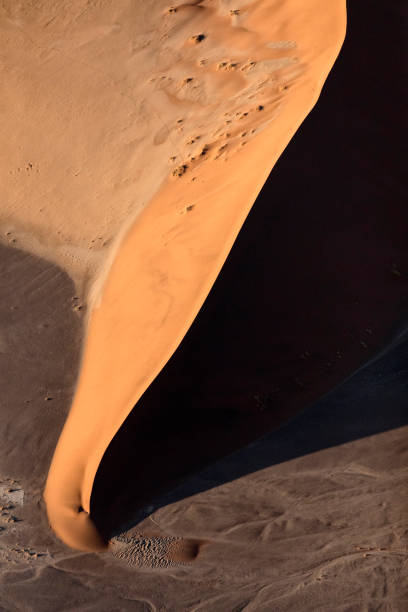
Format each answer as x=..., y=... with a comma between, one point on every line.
x=218, y=90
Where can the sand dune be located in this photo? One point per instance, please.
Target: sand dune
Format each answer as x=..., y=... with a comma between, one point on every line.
x=139, y=136
x=313, y=515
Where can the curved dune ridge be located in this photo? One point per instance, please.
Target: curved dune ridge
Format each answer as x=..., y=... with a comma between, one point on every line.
x=140, y=138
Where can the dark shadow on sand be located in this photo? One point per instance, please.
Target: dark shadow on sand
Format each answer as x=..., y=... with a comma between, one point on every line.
x=372, y=401
x=314, y=287
x=40, y=337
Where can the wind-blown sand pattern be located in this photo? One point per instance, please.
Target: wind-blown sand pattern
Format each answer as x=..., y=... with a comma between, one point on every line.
x=163, y=123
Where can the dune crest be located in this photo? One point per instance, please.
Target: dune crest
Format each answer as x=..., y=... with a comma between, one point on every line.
x=148, y=133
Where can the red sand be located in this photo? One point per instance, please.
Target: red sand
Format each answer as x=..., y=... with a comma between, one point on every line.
x=165, y=266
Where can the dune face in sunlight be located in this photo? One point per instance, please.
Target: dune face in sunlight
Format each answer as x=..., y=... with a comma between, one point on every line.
x=140, y=135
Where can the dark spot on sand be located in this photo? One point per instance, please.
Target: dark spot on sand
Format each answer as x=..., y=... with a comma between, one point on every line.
x=197, y=38
x=180, y=170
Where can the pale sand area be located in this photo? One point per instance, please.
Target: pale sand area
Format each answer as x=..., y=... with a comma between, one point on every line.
x=105, y=103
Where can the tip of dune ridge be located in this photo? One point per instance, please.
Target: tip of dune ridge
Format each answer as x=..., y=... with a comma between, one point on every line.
x=75, y=527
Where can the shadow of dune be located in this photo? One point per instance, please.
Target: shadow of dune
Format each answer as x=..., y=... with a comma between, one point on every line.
x=40, y=335
x=371, y=402
x=314, y=289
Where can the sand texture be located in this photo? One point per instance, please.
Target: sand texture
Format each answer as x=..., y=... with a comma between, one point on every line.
x=323, y=531
x=163, y=126
x=144, y=337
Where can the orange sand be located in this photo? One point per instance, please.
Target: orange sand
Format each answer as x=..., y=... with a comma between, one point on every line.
x=270, y=61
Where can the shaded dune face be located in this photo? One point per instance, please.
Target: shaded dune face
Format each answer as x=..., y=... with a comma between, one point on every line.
x=234, y=87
